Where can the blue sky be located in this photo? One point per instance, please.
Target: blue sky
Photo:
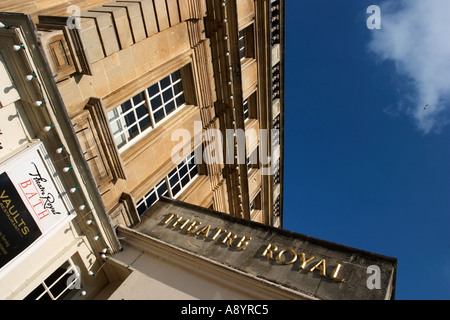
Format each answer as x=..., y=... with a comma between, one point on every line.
x=365, y=164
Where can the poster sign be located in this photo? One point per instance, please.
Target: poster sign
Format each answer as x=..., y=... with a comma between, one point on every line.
x=18, y=229
x=31, y=204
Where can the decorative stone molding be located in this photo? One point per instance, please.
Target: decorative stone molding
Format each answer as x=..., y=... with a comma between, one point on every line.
x=97, y=143
x=72, y=42
x=125, y=213
x=101, y=124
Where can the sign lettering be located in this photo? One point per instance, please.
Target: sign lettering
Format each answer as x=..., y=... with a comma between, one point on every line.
x=17, y=227
x=31, y=204
x=194, y=228
x=234, y=241
x=39, y=198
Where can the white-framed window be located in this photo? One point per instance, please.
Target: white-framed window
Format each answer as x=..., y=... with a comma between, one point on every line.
x=255, y=205
x=152, y=197
x=182, y=175
x=146, y=110
x=172, y=185
x=242, y=44
x=60, y=285
x=276, y=81
x=245, y=106
x=252, y=160
x=246, y=43
x=275, y=22
x=249, y=106
x=252, y=206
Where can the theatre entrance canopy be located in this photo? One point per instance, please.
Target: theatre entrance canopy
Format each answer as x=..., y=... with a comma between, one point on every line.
x=181, y=251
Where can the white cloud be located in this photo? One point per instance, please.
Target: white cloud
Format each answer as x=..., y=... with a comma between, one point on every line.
x=415, y=35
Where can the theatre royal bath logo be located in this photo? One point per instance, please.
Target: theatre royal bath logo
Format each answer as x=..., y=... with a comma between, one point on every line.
x=39, y=196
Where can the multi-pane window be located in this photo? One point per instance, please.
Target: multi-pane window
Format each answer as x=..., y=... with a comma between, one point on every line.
x=242, y=44
x=276, y=176
x=276, y=122
x=276, y=172
x=146, y=110
x=275, y=13
x=246, y=43
x=252, y=160
x=275, y=135
x=276, y=206
x=245, y=106
x=59, y=285
x=252, y=206
x=255, y=204
x=276, y=81
x=152, y=197
x=250, y=108
x=181, y=175
x=172, y=185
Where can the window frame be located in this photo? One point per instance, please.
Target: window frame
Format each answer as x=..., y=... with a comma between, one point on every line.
x=242, y=44
x=255, y=206
x=246, y=108
x=169, y=186
x=250, y=107
x=253, y=160
x=246, y=43
x=47, y=287
x=120, y=126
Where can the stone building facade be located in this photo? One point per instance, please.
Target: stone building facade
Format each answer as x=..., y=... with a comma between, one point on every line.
x=138, y=77
x=114, y=110
x=125, y=102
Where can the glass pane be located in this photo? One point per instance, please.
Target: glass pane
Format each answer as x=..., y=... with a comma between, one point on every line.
x=176, y=76
x=124, y=107
x=245, y=106
x=242, y=51
x=176, y=189
x=141, y=208
x=130, y=119
x=113, y=115
x=115, y=127
x=144, y=123
x=170, y=107
x=159, y=115
x=185, y=180
x=55, y=275
x=252, y=206
x=183, y=170
x=156, y=102
x=191, y=165
x=190, y=159
x=35, y=293
x=167, y=95
x=177, y=88
x=154, y=89
x=120, y=140
x=194, y=171
x=151, y=200
x=162, y=189
x=138, y=98
x=165, y=82
x=172, y=173
x=61, y=285
x=180, y=100
x=141, y=111
x=133, y=131
x=173, y=180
